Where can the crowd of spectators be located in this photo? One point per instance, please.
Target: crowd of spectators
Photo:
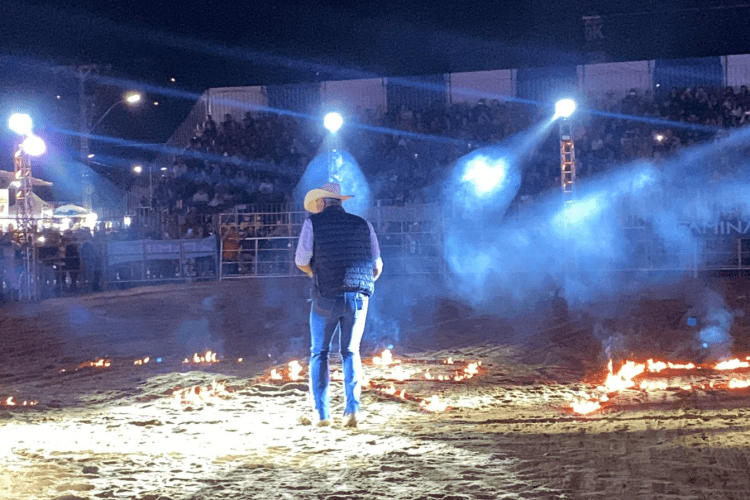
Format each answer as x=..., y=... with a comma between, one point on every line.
x=259, y=159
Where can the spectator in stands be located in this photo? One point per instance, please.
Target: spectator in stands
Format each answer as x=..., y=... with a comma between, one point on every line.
x=340, y=252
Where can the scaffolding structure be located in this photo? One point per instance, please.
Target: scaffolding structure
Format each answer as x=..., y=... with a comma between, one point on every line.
x=567, y=160
x=26, y=223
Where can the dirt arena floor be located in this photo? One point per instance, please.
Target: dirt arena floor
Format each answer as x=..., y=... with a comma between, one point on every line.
x=472, y=406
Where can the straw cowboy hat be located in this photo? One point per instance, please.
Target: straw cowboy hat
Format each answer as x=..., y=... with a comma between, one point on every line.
x=327, y=190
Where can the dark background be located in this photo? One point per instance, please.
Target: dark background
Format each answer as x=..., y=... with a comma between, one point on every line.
x=145, y=44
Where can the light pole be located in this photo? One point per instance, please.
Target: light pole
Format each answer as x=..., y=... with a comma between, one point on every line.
x=564, y=108
x=88, y=189
x=28, y=145
x=333, y=122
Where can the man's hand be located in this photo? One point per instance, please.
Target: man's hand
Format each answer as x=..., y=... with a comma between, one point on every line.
x=377, y=268
x=306, y=269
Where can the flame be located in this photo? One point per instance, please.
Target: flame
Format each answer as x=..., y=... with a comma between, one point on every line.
x=434, y=404
x=199, y=394
x=275, y=375
x=140, y=362
x=385, y=358
x=688, y=366
x=449, y=361
x=585, y=406
x=98, y=363
x=428, y=375
x=12, y=402
x=732, y=364
x=294, y=370
x=209, y=357
x=624, y=378
x=653, y=385
x=656, y=367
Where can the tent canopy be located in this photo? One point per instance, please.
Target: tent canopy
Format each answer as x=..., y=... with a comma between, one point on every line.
x=39, y=208
x=71, y=210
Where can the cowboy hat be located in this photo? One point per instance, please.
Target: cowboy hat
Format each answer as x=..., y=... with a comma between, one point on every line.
x=327, y=190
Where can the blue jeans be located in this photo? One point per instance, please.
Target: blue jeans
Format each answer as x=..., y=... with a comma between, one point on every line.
x=348, y=313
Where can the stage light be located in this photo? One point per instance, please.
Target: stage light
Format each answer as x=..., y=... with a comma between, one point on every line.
x=137, y=169
x=33, y=146
x=20, y=123
x=133, y=97
x=333, y=122
x=564, y=108
x=484, y=174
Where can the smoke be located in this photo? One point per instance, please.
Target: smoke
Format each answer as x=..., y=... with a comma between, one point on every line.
x=341, y=167
x=715, y=321
x=195, y=335
x=625, y=230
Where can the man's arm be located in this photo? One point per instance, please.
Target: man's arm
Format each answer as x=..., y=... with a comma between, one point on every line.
x=377, y=268
x=377, y=263
x=303, y=255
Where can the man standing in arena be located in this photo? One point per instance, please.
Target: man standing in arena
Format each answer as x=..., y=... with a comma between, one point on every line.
x=340, y=252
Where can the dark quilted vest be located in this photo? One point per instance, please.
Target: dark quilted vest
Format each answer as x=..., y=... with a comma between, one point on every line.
x=342, y=256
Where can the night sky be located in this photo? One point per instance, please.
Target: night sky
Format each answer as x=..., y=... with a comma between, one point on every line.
x=210, y=44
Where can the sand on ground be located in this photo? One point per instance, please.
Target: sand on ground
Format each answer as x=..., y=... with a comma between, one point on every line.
x=166, y=429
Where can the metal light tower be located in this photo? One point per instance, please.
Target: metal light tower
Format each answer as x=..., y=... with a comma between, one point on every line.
x=27, y=145
x=564, y=108
x=333, y=122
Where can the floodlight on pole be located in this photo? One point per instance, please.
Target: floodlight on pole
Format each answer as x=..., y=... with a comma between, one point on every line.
x=33, y=146
x=333, y=122
x=20, y=123
x=133, y=97
x=27, y=145
x=564, y=108
x=130, y=98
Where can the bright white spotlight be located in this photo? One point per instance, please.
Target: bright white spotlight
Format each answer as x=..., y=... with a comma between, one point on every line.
x=333, y=122
x=564, y=108
x=90, y=220
x=133, y=97
x=137, y=169
x=484, y=174
x=20, y=123
x=33, y=146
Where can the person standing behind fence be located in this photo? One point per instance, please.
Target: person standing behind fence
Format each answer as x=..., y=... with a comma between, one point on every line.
x=340, y=252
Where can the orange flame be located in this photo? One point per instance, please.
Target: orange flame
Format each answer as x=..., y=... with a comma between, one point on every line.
x=198, y=394
x=12, y=402
x=385, y=358
x=624, y=378
x=732, y=364
x=294, y=370
x=434, y=404
x=585, y=406
x=98, y=363
x=736, y=383
x=209, y=357
x=140, y=362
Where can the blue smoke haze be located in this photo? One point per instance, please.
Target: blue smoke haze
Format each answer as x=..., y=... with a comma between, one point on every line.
x=337, y=166
x=637, y=216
